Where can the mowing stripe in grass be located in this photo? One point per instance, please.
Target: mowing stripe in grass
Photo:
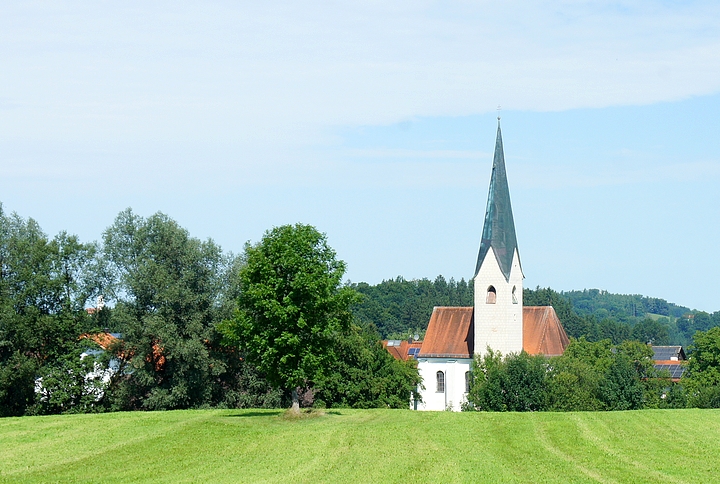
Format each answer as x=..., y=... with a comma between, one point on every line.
x=363, y=446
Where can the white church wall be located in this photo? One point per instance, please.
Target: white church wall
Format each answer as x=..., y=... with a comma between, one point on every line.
x=454, y=394
x=498, y=325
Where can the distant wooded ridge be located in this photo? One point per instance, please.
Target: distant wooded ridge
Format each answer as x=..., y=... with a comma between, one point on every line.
x=401, y=308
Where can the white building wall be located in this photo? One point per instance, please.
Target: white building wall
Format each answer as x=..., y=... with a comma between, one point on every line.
x=499, y=325
x=454, y=394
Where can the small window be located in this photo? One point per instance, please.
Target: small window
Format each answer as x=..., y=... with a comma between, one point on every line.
x=514, y=295
x=491, y=295
x=440, y=382
x=467, y=382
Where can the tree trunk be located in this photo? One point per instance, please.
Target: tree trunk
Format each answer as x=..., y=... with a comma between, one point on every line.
x=295, y=408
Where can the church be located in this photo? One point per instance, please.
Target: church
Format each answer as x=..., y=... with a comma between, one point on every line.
x=497, y=320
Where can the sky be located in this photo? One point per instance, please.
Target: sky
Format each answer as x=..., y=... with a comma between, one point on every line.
x=375, y=122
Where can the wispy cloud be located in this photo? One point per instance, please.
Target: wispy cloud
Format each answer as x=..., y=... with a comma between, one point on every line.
x=280, y=72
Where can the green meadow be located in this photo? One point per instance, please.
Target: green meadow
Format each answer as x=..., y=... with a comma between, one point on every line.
x=363, y=446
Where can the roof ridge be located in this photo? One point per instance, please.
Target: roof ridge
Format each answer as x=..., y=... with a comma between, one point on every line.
x=452, y=307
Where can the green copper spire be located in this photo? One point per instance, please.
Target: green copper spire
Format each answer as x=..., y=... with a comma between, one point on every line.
x=499, y=228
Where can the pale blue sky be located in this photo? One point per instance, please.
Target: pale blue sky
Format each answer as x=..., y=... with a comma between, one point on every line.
x=375, y=122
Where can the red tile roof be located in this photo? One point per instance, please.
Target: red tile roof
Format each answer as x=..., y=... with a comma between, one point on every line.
x=450, y=334
x=543, y=333
x=104, y=340
x=401, y=351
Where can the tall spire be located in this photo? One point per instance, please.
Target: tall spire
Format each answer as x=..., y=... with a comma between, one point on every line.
x=499, y=227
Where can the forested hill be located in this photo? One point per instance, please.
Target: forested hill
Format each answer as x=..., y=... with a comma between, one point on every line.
x=621, y=306
x=400, y=308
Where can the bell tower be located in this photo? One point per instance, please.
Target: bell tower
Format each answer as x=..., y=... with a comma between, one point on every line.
x=498, y=310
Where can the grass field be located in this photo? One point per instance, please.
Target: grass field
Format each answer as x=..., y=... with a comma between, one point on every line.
x=363, y=446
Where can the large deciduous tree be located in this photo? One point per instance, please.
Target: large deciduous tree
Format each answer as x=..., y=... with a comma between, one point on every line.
x=367, y=376
x=515, y=383
x=292, y=306
x=44, y=286
x=168, y=293
x=703, y=375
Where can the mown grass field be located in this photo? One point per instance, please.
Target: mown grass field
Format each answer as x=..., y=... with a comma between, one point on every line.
x=363, y=446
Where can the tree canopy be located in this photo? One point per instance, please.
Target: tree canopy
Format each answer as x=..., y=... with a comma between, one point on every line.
x=703, y=379
x=399, y=308
x=588, y=376
x=292, y=305
x=44, y=286
x=167, y=286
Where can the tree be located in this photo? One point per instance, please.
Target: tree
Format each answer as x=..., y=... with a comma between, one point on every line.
x=398, y=307
x=169, y=292
x=44, y=286
x=621, y=388
x=17, y=384
x=526, y=382
x=291, y=306
x=574, y=385
x=703, y=372
x=515, y=383
x=651, y=332
x=599, y=375
x=366, y=376
x=72, y=385
x=486, y=388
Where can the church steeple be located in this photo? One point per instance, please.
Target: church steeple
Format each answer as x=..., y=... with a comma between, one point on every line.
x=499, y=227
x=498, y=281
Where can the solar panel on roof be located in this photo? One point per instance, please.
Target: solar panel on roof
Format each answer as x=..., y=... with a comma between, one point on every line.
x=676, y=371
x=665, y=352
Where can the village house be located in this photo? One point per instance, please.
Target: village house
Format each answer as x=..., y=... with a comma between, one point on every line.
x=671, y=359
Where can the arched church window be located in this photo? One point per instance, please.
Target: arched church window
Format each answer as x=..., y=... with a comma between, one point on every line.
x=467, y=382
x=514, y=295
x=491, y=295
x=440, y=382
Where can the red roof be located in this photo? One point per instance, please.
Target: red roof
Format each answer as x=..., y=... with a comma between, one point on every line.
x=104, y=340
x=401, y=351
x=450, y=334
x=543, y=333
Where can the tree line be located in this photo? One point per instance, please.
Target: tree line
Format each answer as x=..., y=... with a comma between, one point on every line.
x=593, y=376
x=399, y=308
x=173, y=299
x=275, y=325
x=589, y=376
x=680, y=322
